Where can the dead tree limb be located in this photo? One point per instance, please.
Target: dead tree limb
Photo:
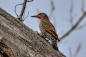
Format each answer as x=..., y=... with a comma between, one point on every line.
x=15, y=9
x=74, y=26
x=18, y=40
x=23, y=9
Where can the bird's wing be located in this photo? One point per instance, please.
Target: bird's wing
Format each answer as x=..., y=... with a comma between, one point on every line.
x=49, y=28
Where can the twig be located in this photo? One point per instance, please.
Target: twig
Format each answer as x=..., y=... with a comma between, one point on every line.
x=78, y=49
x=81, y=26
x=71, y=12
x=52, y=9
x=29, y=1
x=74, y=26
x=23, y=8
x=82, y=8
x=15, y=9
x=22, y=11
x=70, y=52
x=26, y=16
x=23, y=15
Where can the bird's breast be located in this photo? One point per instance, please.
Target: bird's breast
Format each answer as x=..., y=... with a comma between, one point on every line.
x=41, y=27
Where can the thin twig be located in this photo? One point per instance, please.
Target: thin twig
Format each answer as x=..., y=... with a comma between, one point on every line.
x=71, y=12
x=29, y=1
x=23, y=15
x=15, y=9
x=81, y=26
x=22, y=11
x=77, y=50
x=70, y=52
x=26, y=16
x=83, y=3
x=52, y=9
x=74, y=26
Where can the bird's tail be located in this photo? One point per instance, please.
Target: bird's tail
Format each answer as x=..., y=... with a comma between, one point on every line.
x=54, y=44
x=55, y=47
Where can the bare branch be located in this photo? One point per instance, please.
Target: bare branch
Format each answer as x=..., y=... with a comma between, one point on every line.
x=22, y=11
x=15, y=9
x=78, y=49
x=74, y=26
x=71, y=12
x=23, y=15
x=82, y=8
x=26, y=16
x=29, y=1
x=23, y=8
x=70, y=52
x=81, y=26
x=52, y=9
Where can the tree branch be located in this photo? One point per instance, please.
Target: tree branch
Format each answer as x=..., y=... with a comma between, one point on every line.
x=22, y=11
x=81, y=26
x=23, y=8
x=77, y=50
x=82, y=8
x=15, y=9
x=74, y=26
x=26, y=16
x=71, y=12
x=29, y=1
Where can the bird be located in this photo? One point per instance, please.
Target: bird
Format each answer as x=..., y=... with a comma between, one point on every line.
x=47, y=29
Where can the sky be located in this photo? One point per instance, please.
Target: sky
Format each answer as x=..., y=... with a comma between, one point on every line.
x=60, y=18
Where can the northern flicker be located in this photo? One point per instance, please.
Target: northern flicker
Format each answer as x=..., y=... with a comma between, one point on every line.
x=47, y=29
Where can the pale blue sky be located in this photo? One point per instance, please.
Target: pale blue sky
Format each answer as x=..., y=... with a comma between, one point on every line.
x=61, y=14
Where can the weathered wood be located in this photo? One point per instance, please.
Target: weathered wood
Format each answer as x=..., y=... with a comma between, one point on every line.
x=18, y=40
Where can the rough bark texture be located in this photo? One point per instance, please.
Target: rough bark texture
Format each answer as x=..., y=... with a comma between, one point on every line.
x=17, y=40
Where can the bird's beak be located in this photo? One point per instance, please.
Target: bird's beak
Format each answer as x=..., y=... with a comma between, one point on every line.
x=35, y=16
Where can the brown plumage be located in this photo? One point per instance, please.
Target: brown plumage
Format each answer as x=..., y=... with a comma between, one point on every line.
x=46, y=26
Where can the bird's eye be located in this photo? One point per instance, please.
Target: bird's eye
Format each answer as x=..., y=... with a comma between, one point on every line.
x=39, y=14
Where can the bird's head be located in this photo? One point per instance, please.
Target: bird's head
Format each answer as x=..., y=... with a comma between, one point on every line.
x=41, y=16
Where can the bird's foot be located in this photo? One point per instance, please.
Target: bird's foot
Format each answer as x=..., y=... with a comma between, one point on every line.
x=40, y=34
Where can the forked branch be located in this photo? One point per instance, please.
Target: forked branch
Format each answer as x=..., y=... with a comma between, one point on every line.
x=74, y=26
x=22, y=11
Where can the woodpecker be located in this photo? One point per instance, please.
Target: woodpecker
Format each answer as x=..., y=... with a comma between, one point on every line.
x=47, y=29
